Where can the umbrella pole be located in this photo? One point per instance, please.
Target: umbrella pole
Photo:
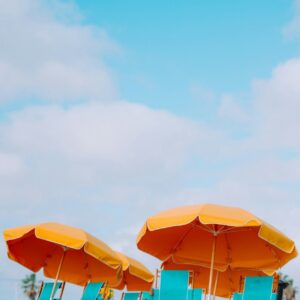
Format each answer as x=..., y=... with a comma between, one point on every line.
x=216, y=285
x=57, y=274
x=212, y=265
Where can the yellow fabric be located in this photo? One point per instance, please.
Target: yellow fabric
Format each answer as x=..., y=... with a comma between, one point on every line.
x=43, y=246
x=136, y=277
x=228, y=282
x=242, y=240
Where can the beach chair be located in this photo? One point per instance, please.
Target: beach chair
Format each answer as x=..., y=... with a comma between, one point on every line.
x=92, y=290
x=131, y=296
x=274, y=296
x=194, y=294
x=46, y=290
x=154, y=295
x=237, y=296
x=174, y=285
x=258, y=288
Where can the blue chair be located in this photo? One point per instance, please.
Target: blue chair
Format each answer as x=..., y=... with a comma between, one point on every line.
x=174, y=285
x=194, y=294
x=274, y=296
x=46, y=290
x=151, y=296
x=92, y=290
x=237, y=296
x=131, y=296
x=258, y=288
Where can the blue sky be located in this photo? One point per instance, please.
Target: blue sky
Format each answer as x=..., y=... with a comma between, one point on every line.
x=111, y=111
x=169, y=47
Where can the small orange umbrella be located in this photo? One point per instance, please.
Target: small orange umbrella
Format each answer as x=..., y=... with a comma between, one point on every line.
x=225, y=283
x=216, y=237
x=63, y=252
x=136, y=277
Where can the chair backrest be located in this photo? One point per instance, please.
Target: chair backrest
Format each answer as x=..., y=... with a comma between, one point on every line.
x=46, y=290
x=151, y=296
x=173, y=285
x=194, y=294
x=237, y=296
x=274, y=296
x=258, y=288
x=131, y=296
x=92, y=290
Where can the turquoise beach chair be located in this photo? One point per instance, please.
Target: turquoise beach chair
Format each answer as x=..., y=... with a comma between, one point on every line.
x=92, y=290
x=237, y=296
x=151, y=296
x=274, y=296
x=131, y=296
x=46, y=290
x=258, y=288
x=174, y=285
x=194, y=294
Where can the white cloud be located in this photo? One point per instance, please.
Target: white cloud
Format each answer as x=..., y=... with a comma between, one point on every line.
x=277, y=106
x=49, y=59
x=292, y=29
x=229, y=110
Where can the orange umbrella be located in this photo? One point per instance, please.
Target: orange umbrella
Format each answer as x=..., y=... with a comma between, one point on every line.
x=65, y=253
x=216, y=237
x=136, y=277
x=225, y=283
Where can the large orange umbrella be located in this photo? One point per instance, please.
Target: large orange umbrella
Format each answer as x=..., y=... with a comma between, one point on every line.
x=64, y=253
x=225, y=283
x=216, y=237
x=136, y=277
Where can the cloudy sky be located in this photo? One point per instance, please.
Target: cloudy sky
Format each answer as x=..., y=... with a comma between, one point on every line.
x=113, y=110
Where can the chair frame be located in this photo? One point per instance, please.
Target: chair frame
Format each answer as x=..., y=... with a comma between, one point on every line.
x=62, y=288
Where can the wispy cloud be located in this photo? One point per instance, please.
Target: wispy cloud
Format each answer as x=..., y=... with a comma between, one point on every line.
x=45, y=58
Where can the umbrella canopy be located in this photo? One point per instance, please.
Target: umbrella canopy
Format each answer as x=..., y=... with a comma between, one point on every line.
x=217, y=237
x=225, y=283
x=63, y=252
x=136, y=277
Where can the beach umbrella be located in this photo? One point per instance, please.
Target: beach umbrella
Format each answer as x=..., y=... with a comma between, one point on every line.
x=217, y=237
x=224, y=283
x=136, y=277
x=63, y=252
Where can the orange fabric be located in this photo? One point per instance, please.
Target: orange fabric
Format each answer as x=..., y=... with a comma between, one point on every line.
x=228, y=282
x=85, y=257
x=136, y=277
x=186, y=235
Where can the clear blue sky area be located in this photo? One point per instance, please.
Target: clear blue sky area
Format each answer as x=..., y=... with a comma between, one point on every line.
x=169, y=47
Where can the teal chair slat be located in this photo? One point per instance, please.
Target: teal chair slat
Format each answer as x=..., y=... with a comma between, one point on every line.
x=92, y=290
x=47, y=290
x=274, y=296
x=194, y=294
x=151, y=296
x=131, y=296
x=237, y=296
x=174, y=285
x=258, y=288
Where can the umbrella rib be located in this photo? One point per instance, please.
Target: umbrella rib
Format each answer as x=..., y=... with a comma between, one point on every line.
x=236, y=229
x=180, y=240
x=87, y=266
x=274, y=255
x=229, y=254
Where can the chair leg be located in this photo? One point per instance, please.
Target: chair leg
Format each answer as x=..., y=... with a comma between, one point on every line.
x=62, y=290
x=40, y=289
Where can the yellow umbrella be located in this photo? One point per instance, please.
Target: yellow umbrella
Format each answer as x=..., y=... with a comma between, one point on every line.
x=216, y=237
x=136, y=277
x=225, y=283
x=66, y=253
